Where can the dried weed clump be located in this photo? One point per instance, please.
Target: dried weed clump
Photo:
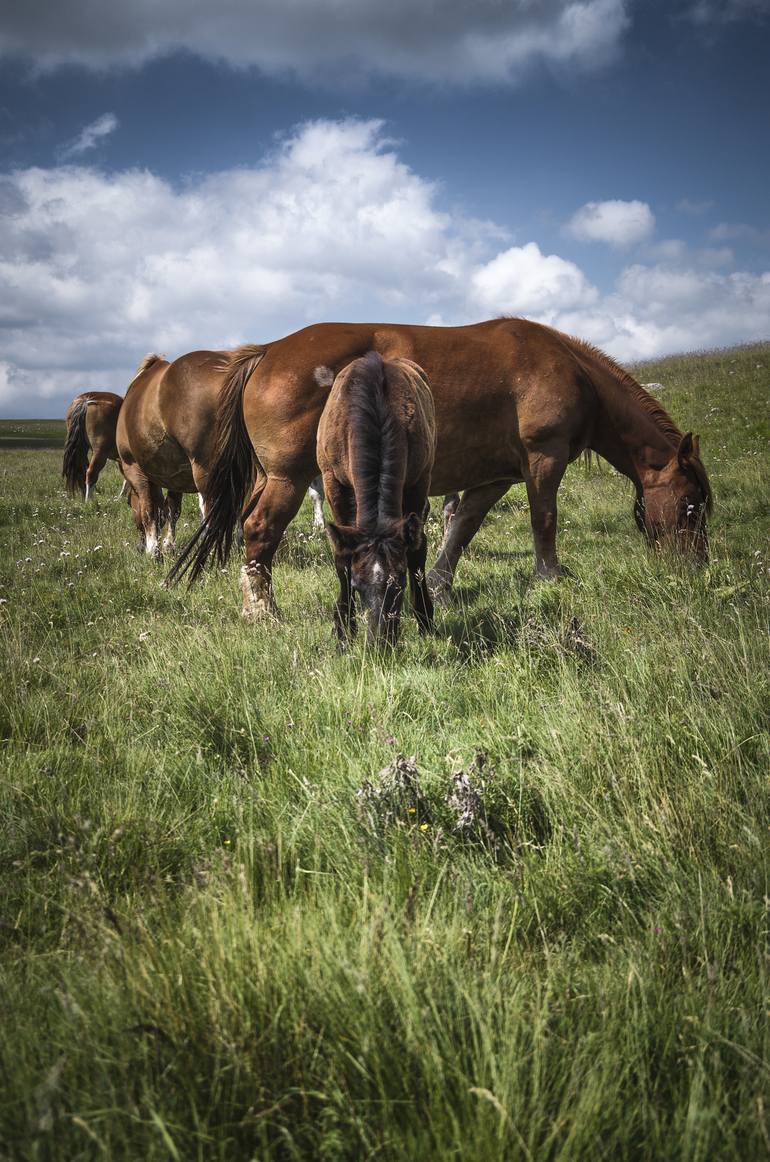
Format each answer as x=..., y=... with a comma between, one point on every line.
x=395, y=796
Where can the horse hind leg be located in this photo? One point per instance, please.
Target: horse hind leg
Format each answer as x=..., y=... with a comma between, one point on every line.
x=173, y=510
x=278, y=503
x=147, y=505
x=316, y=493
x=98, y=460
x=451, y=503
x=467, y=520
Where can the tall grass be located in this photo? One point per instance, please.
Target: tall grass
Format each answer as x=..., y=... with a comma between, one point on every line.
x=225, y=936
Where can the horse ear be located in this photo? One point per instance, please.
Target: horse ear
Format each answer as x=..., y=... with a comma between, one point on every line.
x=413, y=531
x=685, y=450
x=341, y=537
x=696, y=445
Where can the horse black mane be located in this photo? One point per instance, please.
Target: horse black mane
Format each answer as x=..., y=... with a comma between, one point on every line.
x=376, y=450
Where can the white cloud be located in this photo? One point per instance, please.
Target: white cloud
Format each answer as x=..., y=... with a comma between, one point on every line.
x=617, y=222
x=522, y=280
x=737, y=231
x=447, y=40
x=96, y=268
x=91, y=135
x=709, y=12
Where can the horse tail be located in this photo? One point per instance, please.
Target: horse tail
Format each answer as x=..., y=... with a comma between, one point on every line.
x=231, y=471
x=76, y=447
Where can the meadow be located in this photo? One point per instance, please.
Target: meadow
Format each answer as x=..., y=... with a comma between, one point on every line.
x=235, y=925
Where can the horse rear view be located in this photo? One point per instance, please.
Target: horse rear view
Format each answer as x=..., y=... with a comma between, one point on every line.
x=92, y=420
x=375, y=448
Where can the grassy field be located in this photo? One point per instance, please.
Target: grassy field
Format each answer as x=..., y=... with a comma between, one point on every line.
x=226, y=934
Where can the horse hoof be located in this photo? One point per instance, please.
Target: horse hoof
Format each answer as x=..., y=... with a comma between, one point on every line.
x=552, y=572
x=259, y=611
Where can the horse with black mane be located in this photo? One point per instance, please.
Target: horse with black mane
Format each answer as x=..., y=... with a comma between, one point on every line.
x=515, y=401
x=375, y=447
x=91, y=419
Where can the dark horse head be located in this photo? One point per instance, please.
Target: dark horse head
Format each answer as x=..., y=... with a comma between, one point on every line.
x=377, y=562
x=672, y=507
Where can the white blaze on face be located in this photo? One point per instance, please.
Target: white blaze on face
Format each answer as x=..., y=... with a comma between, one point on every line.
x=324, y=376
x=378, y=573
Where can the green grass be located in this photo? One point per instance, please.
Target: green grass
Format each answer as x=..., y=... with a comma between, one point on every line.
x=218, y=945
x=32, y=433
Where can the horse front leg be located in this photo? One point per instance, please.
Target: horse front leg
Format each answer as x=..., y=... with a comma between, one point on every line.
x=278, y=503
x=543, y=474
x=345, y=624
x=473, y=507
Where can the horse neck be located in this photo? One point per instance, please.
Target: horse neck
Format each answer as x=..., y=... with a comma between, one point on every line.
x=629, y=436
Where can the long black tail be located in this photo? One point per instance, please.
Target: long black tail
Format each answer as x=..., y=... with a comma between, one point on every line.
x=76, y=449
x=231, y=473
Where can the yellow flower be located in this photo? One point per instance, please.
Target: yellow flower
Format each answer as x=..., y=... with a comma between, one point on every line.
x=412, y=810
x=423, y=827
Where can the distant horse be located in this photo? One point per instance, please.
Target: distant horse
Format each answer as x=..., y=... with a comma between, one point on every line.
x=376, y=443
x=515, y=401
x=164, y=440
x=91, y=420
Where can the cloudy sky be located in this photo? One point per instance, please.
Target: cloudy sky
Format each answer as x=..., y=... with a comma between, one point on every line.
x=177, y=174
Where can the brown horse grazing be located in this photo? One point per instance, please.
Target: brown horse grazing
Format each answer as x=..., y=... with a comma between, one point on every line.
x=91, y=420
x=376, y=443
x=164, y=438
x=515, y=401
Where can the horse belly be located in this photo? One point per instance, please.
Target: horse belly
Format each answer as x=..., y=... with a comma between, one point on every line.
x=168, y=466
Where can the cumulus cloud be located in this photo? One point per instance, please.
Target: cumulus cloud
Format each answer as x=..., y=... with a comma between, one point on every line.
x=523, y=280
x=616, y=222
x=96, y=268
x=710, y=12
x=448, y=40
x=91, y=135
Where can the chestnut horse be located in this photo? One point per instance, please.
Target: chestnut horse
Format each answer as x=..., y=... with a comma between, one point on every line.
x=515, y=401
x=91, y=420
x=164, y=440
x=375, y=448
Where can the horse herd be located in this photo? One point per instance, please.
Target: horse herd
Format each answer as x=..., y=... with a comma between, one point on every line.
x=389, y=415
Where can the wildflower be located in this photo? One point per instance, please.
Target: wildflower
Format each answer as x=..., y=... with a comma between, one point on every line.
x=424, y=826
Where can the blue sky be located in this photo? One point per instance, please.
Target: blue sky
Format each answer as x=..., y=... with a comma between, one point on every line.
x=177, y=175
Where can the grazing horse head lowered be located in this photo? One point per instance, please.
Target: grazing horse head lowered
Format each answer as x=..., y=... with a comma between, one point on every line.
x=377, y=562
x=375, y=448
x=674, y=501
